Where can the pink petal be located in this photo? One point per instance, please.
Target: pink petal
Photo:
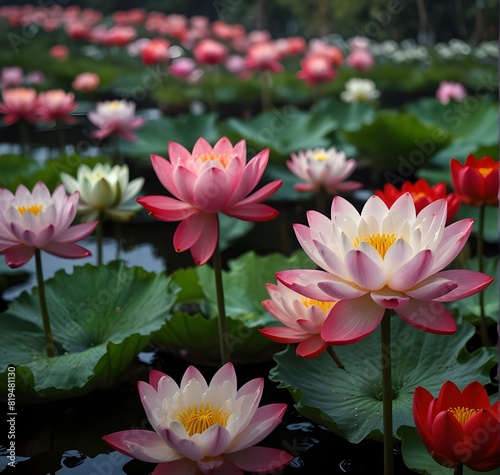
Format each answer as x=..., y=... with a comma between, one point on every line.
x=260, y=195
x=364, y=271
x=153, y=405
x=214, y=440
x=251, y=212
x=223, y=146
x=65, y=249
x=389, y=299
x=164, y=171
x=154, y=378
x=188, y=232
x=186, y=447
x=452, y=242
x=203, y=249
x=429, y=316
x=351, y=320
x=412, y=272
x=201, y=147
x=185, y=181
x=212, y=190
x=166, y=208
x=283, y=334
x=18, y=255
x=225, y=373
x=77, y=232
x=431, y=288
x=193, y=373
x=260, y=459
x=211, y=465
x=177, y=153
x=179, y=467
x=468, y=282
x=311, y=347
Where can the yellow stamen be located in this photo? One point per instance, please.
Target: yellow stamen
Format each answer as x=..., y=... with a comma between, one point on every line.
x=33, y=209
x=321, y=157
x=485, y=171
x=463, y=414
x=113, y=105
x=417, y=196
x=381, y=242
x=223, y=158
x=196, y=420
x=325, y=306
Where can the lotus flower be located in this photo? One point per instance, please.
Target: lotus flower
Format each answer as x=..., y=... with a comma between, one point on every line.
x=18, y=103
x=85, y=82
x=104, y=189
x=422, y=194
x=359, y=90
x=459, y=427
x=59, y=52
x=115, y=117
x=316, y=69
x=302, y=319
x=264, y=56
x=449, y=90
x=321, y=168
x=361, y=60
x=202, y=428
x=476, y=181
x=156, y=51
x=209, y=51
x=11, y=77
x=383, y=258
x=56, y=105
x=204, y=183
x=39, y=220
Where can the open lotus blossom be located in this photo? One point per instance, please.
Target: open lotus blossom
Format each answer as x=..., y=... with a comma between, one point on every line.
x=459, y=427
x=209, y=51
x=316, y=69
x=86, y=82
x=156, y=51
x=476, y=181
x=323, y=168
x=56, y=105
x=104, y=190
x=115, y=117
x=59, y=52
x=360, y=59
x=264, y=56
x=39, y=220
x=423, y=194
x=12, y=76
x=202, y=428
x=359, y=90
x=380, y=259
x=18, y=103
x=302, y=319
x=449, y=90
x=204, y=183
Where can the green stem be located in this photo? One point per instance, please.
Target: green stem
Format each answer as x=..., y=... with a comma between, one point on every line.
x=459, y=470
x=24, y=134
x=49, y=340
x=98, y=236
x=61, y=139
x=224, y=350
x=322, y=201
x=211, y=90
x=483, y=327
x=387, y=392
x=265, y=90
x=118, y=152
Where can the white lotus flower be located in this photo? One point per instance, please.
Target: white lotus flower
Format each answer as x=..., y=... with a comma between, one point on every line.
x=104, y=190
x=359, y=90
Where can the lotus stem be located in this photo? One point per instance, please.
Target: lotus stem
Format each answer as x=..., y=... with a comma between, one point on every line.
x=265, y=91
x=335, y=358
x=49, y=340
x=217, y=262
x=387, y=392
x=118, y=152
x=24, y=133
x=61, y=139
x=322, y=201
x=459, y=469
x=483, y=327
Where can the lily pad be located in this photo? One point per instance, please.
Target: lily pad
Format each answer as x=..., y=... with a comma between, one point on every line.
x=417, y=458
x=348, y=116
x=101, y=318
x=191, y=332
x=350, y=402
x=154, y=135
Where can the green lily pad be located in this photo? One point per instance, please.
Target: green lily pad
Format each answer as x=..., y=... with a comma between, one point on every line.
x=469, y=308
x=282, y=130
x=15, y=168
x=408, y=142
x=350, y=402
x=101, y=318
x=417, y=458
x=191, y=331
x=154, y=135
x=348, y=116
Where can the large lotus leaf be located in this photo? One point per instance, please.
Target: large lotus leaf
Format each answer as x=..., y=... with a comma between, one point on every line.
x=282, y=130
x=417, y=458
x=15, y=168
x=469, y=308
x=350, y=402
x=101, y=318
x=395, y=140
x=154, y=135
x=192, y=330
x=348, y=116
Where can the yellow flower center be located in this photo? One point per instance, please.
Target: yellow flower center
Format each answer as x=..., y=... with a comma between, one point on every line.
x=485, y=171
x=113, y=105
x=33, y=209
x=417, y=196
x=196, y=420
x=381, y=242
x=223, y=158
x=463, y=414
x=321, y=157
x=325, y=306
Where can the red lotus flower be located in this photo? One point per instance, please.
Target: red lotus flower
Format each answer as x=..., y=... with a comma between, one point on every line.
x=476, y=181
x=156, y=51
x=264, y=56
x=209, y=51
x=316, y=69
x=459, y=427
x=422, y=194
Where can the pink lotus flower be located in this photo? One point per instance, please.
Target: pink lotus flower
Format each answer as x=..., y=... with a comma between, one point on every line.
x=156, y=51
x=119, y=35
x=202, y=428
x=302, y=319
x=39, y=220
x=115, y=117
x=18, y=103
x=291, y=46
x=321, y=168
x=264, y=57
x=361, y=60
x=204, y=183
x=448, y=91
x=383, y=259
x=56, y=105
x=316, y=69
x=182, y=68
x=86, y=82
x=317, y=46
x=59, y=52
x=209, y=51
x=11, y=77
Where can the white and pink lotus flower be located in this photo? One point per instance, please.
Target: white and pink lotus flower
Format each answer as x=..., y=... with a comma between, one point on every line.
x=115, y=118
x=204, y=428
